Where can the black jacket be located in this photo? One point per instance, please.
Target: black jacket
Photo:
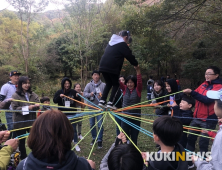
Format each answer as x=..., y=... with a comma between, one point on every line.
x=72, y=162
x=169, y=165
x=174, y=89
x=177, y=112
x=113, y=58
x=61, y=101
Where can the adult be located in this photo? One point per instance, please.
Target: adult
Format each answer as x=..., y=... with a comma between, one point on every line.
x=9, y=147
x=93, y=92
x=25, y=118
x=50, y=141
x=131, y=96
x=6, y=93
x=62, y=100
x=204, y=108
x=111, y=64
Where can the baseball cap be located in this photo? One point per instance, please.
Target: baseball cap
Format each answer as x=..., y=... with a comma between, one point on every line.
x=215, y=94
x=12, y=73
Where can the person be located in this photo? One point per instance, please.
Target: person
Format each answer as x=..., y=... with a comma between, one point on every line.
x=93, y=92
x=132, y=95
x=168, y=77
x=25, y=118
x=45, y=100
x=78, y=89
x=119, y=102
x=7, y=150
x=212, y=133
x=166, y=133
x=122, y=79
x=150, y=83
x=111, y=64
x=171, y=87
x=158, y=92
x=204, y=114
x=216, y=150
x=122, y=156
x=178, y=83
x=6, y=93
x=185, y=114
x=50, y=141
x=62, y=100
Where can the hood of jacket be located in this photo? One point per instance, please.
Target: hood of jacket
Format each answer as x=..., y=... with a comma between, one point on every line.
x=173, y=85
x=92, y=82
x=172, y=165
x=35, y=164
x=216, y=81
x=115, y=39
x=63, y=82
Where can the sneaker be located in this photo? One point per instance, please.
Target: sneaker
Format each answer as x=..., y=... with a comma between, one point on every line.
x=93, y=142
x=110, y=105
x=102, y=104
x=80, y=137
x=77, y=148
x=100, y=144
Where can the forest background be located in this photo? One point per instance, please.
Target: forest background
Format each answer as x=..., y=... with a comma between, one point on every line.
x=175, y=37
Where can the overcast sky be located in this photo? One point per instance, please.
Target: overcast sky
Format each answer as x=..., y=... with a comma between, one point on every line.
x=4, y=4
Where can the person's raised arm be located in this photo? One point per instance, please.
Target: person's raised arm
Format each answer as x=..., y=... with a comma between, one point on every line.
x=139, y=79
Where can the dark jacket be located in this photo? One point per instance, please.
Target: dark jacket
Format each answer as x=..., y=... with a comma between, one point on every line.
x=61, y=101
x=18, y=116
x=177, y=112
x=72, y=162
x=204, y=107
x=174, y=89
x=169, y=165
x=155, y=95
x=113, y=58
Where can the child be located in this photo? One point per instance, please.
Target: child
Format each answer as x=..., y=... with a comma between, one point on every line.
x=111, y=64
x=216, y=150
x=149, y=88
x=166, y=133
x=158, y=91
x=132, y=95
x=77, y=88
x=44, y=100
x=184, y=110
x=172, y=87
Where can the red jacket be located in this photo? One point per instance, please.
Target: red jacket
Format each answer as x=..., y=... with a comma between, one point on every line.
x=204, y=107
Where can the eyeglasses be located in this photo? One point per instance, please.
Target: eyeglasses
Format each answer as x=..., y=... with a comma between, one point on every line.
x=208, y=74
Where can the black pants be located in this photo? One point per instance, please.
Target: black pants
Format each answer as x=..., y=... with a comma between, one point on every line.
x=183, y=140
x=22, y=148
x=203, y=142
x=131, y=131
x=112, y=80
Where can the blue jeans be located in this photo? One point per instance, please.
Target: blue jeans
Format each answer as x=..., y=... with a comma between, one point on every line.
x=74, y=127
x=8, y=116
x=93, y=131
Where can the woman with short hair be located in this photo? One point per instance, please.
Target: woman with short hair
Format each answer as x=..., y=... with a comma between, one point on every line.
x=50, y=141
